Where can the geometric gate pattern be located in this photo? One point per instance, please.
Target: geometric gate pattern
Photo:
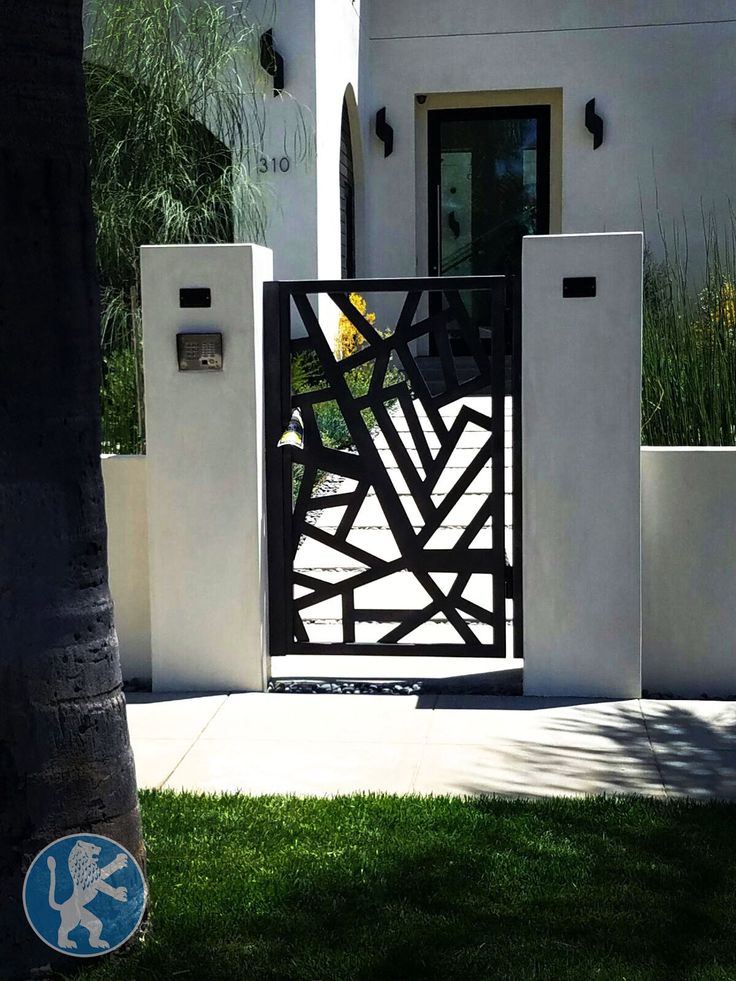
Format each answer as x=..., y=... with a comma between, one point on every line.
x=429, y=582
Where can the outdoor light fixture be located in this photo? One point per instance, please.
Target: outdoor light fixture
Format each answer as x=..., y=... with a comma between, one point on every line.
x=271, y=61
x=593, y=123
x=293, y=435
x=384, y=132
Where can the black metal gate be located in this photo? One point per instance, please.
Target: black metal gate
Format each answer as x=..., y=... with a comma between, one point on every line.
x=407, y=580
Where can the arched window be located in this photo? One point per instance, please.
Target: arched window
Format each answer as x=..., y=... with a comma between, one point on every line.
x=347, y=198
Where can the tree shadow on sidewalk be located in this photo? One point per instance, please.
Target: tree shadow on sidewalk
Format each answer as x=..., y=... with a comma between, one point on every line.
x=645, y=747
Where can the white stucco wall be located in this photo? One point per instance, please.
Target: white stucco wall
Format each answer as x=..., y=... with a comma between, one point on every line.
x=290, y=198
x=689, y=571
x=688, y=568
x=127, y=548
x=319, y=41
x=337, y=38
x=660, y=73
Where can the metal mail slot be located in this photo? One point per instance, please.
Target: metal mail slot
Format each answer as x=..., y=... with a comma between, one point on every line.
x=199, y=351
x=578, y=286
x=195, y=296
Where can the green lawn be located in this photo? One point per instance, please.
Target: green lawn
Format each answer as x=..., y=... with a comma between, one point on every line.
x=403, y=888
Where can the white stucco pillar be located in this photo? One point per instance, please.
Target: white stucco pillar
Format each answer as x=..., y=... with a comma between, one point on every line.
x=205, y=470
x=581, y=390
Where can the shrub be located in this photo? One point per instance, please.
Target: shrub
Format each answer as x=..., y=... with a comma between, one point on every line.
x=176, y=102
x=121, y=399
x=689, y=344
x=307, y=376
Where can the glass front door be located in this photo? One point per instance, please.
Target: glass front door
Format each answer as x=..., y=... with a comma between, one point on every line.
x=488, y=187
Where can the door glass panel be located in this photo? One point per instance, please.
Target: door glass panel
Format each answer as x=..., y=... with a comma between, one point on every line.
x=456, y=184
x=487, y=168
x=488, y=194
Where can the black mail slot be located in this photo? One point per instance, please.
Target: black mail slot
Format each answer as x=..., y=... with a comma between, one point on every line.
x=195, y=297
x=578, y=286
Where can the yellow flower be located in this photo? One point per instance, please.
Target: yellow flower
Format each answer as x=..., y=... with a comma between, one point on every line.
x=349, y=339
x=719, y=305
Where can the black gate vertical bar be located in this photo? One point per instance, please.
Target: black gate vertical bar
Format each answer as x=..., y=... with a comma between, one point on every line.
x=277, y=391
x=513, y=290
x=498, y=472
x=288, y=612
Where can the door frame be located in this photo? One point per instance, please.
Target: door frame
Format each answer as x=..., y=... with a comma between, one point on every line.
x=541, y=112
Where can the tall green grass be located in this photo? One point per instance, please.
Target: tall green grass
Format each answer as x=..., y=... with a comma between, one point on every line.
x=689, y=341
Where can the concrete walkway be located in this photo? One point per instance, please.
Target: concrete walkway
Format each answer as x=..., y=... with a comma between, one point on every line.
x=330, y=744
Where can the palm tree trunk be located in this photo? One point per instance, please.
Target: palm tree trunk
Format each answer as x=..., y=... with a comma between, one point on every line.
x=65, y=757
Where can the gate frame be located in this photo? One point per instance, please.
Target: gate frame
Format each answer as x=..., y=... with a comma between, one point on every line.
x=278, y=462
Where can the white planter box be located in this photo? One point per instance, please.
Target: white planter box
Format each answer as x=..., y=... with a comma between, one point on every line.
x=689, y=570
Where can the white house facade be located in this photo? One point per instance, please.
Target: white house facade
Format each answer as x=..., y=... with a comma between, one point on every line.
x=490, y=130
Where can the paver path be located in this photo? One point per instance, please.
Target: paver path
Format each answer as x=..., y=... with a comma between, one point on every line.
x=371, y=532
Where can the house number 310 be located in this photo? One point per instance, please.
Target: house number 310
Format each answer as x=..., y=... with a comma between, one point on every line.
x=266, y=164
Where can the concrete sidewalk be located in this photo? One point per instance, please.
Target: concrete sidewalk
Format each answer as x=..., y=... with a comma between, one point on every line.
x=463, y=744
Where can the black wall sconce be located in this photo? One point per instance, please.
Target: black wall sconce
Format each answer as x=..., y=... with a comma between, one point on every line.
x=271, y=61
x=593, y=123
x=384, y=132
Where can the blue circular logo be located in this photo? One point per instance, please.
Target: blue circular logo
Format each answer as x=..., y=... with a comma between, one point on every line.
x=84, y=895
